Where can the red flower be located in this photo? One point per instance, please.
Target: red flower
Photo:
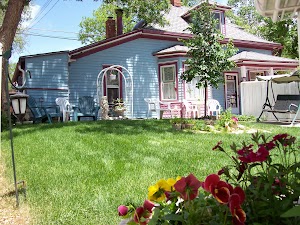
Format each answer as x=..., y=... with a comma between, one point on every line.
x=210, y=181
x=123, y=210
x=270, y=145
x=262, y=154
x=240, y=192
x=239, y=216
x=188, y=187
x=222, y=192
x=280, y=137
x=143, y=213
x=246, y=154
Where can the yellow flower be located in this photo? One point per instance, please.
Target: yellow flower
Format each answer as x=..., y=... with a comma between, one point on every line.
x=157, y=191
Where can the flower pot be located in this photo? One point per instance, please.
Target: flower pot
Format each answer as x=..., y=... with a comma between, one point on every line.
x=177, y=126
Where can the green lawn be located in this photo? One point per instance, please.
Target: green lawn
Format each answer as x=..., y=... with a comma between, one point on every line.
x=79, y=173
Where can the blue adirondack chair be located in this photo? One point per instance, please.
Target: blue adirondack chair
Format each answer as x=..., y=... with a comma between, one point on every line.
x=42, y=114
x=86, y=108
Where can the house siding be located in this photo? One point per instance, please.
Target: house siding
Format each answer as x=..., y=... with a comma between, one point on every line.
x=49, y=77
x=136, y=56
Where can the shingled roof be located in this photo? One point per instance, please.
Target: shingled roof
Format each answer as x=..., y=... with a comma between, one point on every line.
x=177, y=24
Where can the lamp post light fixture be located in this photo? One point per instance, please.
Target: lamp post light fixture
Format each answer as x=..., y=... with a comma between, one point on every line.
x=19, y=103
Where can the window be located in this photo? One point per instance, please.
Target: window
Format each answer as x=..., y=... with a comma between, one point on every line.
x=112, y=86
x=168, y=82
x=253, y=74
x=191, y=91
x=217, y=16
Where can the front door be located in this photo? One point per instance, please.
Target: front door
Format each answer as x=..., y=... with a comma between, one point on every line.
x=231, y=92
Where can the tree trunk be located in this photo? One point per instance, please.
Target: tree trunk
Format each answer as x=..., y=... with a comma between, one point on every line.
x=8, y=30
x=205, y=99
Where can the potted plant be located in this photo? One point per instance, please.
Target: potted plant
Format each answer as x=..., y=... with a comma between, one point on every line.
x=119, y=107
x=176, y=123
x=189, y=123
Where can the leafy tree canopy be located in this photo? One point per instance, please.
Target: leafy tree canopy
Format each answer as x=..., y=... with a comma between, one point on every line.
x=208, y=57
x=93, y=28
x=246, y=16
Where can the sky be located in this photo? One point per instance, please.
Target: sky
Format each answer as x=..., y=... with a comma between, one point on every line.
x=59, y=19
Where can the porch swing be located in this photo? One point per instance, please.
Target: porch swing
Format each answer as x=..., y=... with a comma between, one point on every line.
x=288, y=103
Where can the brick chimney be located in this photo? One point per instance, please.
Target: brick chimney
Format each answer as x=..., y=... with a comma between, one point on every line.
x=119, y=13
x=176, y=3
x=110, y=27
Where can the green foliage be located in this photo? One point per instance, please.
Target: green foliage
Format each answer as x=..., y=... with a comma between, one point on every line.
x=273, y=32
x=176, y=120
x=246, y=16
x=93, y=28
x=246, y=118
x=225, y=118
x=268, y=171
x=208, y=57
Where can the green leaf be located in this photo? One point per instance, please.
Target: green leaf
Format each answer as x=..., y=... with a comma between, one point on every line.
x=293, y=212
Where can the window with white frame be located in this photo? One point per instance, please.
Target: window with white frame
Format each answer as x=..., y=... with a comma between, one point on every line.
x=191, y=91
x=168, y=82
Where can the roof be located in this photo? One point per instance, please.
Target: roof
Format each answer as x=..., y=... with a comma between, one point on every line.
x=276, y=9
x=246, y=55
x=255, y=59
x=178, y=25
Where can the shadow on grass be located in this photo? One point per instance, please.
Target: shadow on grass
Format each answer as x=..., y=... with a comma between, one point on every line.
x=121, y=127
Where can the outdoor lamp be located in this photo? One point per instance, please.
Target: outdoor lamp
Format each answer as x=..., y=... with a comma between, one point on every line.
x=19, y=102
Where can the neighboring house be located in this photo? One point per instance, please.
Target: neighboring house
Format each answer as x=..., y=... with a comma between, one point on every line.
x=155, y=57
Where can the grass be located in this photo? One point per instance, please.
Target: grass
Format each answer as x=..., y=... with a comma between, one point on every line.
x=79, y=173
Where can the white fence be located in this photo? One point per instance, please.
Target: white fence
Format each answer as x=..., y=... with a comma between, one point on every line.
x=253, y=97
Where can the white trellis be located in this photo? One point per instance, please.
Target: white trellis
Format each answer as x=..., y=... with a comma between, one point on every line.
x=128, y=90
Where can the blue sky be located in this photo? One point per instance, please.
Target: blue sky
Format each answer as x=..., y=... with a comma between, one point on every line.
x=51, y=16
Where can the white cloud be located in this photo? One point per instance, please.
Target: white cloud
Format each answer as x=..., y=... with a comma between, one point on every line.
x=34, y=10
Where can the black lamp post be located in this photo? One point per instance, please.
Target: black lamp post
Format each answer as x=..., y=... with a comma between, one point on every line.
x=18, y=102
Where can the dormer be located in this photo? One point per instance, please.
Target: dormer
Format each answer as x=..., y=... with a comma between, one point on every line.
x=219, y=14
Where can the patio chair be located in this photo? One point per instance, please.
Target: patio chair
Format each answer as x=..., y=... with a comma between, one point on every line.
x=42, y=114
x=86, y=108
x=154, y=105
x=65, y=107
x=213, y=108
x=190, y=108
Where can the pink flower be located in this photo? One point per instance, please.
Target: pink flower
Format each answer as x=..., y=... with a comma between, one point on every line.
x=188, y=187
x=123, y=210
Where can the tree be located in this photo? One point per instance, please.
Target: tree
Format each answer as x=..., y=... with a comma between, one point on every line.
x=246, y=16
x=93, y=28
x=208, y=57
x=8, y=30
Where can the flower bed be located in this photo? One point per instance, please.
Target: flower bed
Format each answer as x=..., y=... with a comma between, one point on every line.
x=256, y=188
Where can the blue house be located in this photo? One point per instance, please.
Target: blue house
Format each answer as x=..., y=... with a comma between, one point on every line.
x=147, y=63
